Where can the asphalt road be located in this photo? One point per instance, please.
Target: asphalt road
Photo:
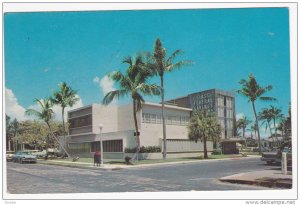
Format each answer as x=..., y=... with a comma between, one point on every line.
x=200, y=176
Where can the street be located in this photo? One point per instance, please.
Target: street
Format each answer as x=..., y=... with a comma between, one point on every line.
x=200, y=176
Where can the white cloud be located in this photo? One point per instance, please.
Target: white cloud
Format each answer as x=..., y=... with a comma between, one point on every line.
x=106, y=85
x=271, y=34
x=239, y=116
x=12, y=106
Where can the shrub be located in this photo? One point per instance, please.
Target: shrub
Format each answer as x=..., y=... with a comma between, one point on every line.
x=143, y=149
x=216, y=152
x=244, y=155
x=127, y=160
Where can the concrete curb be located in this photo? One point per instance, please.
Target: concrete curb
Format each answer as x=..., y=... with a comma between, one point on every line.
x=264, y=183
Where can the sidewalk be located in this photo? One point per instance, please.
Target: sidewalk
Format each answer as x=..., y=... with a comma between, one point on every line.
x=267, y=178
x=111, y=167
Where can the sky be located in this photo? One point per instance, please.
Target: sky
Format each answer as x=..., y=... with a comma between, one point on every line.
x=43, y=49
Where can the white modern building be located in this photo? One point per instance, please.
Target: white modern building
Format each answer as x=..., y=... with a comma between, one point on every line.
x=118, y=131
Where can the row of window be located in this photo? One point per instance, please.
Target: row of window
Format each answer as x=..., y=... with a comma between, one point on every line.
x=81, y=121
x=225, y=112
x=170, y=120
x=108, y=146
x=229, y=123
x=225, y=101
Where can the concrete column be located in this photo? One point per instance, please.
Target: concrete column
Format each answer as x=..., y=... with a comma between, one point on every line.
x=284, y=163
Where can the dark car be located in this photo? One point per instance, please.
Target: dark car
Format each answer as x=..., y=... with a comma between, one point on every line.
x=274, y=156
x=10, y=155
x=24, y=156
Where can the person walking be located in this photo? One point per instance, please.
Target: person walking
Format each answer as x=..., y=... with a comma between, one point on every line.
x=97, y=158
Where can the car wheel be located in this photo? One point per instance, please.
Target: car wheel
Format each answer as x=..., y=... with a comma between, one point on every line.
x=269, y=162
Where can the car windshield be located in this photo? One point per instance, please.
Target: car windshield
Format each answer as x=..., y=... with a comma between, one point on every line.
x=23, y=153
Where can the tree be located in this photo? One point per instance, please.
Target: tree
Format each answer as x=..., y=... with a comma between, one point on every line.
x=253, y=91
x=160, y=65
x=265, y=116
x=203, y=126
x=45, y=114
x=133, y=83
x=242, y=124
x=65, y=97
x=276, y=115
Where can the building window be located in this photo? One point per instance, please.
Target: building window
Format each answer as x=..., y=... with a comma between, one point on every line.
x=81, y=121
x=108, y=146
x=79, y=147
x=113, y=146
x=95, y=146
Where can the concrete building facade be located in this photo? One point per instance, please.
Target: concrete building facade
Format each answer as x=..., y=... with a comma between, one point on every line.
x=222, y=103
x=118, y=130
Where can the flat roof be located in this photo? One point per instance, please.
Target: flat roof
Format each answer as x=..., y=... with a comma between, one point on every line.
x=223, y=92
x=168, y=106
x=146, y=103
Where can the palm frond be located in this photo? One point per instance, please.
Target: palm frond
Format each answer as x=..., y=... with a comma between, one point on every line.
x=173, y=56
x=32, y=112
x=178, y=65
x=146, y=89
x=267, y=98
x=115, y=94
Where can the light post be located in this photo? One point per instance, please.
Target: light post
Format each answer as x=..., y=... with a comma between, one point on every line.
x=101, y=145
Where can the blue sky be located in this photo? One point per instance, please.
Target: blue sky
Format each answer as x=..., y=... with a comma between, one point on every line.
x=46, y=48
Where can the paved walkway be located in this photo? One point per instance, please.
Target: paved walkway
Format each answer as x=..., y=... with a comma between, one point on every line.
x=267, y=178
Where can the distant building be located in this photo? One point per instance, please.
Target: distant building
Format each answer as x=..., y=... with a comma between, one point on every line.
x=222, y=103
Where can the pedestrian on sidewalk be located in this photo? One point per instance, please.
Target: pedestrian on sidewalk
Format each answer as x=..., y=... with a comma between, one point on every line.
x=97, y=158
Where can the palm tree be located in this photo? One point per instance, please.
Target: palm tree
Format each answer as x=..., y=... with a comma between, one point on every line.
x=203, y=126
x=45, y=114
x=275, y=114
x=65, y=97
x=162, y=64
x=253, y=91
x=266, y=117
x=282, y=126
x=133, y=83
x=243, y=123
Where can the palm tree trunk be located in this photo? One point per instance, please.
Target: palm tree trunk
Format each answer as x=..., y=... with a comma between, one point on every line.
x=163, y=116
x=136, y=155
x=256, y=124
x=51, y=132
x=277, y=141
x=271, y=133
x=244, y=128
x=64, y=127
x=205, y=148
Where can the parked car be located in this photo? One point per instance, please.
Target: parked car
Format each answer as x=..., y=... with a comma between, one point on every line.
x=40, y=154
x=24, y=156
x=271, y=156
x=274, y=156
x=9, y=155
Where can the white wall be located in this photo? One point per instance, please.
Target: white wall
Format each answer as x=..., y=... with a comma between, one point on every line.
x=106, y=115
x=151, y=134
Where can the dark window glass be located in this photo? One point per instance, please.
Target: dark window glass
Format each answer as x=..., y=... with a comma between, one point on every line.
x=95, y=146
x=81, y=121
x=113, y=146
